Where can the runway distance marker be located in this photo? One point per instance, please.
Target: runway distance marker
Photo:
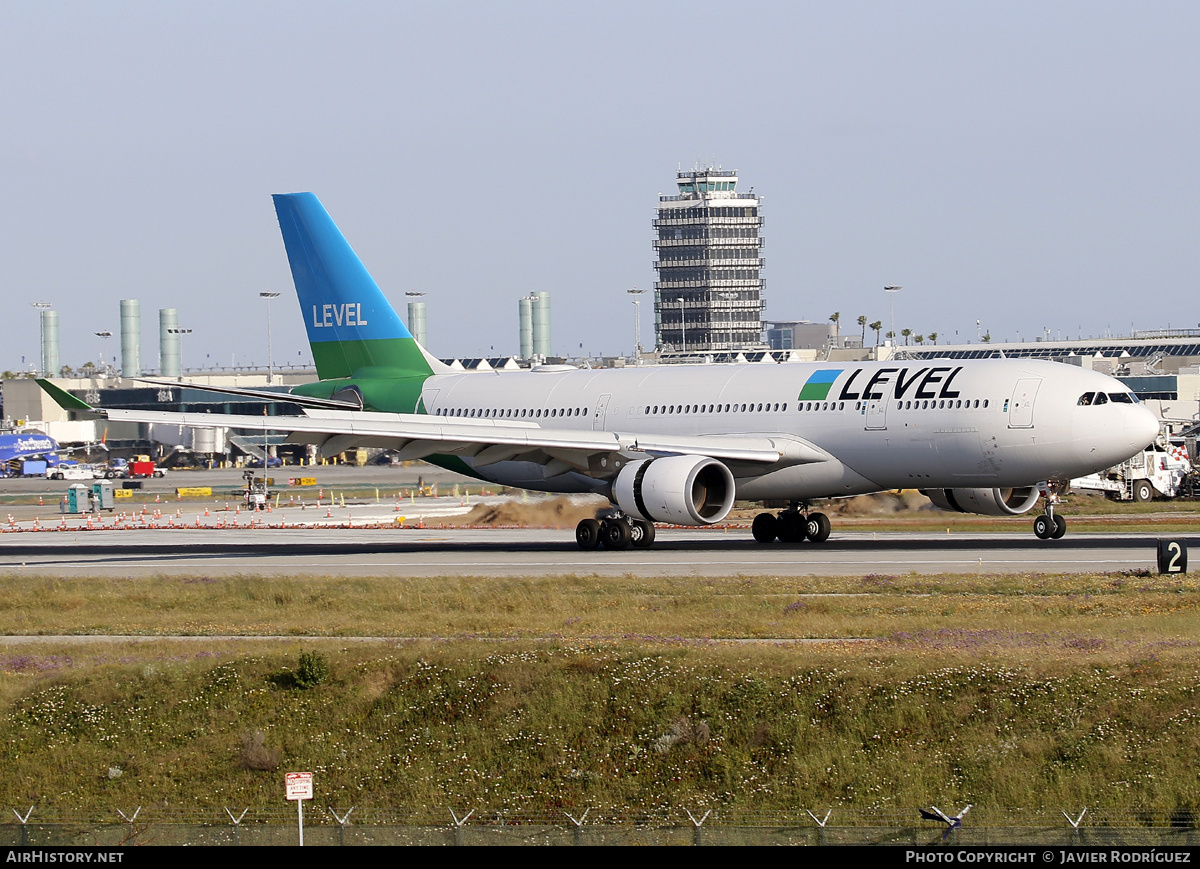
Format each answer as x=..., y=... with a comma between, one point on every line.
x=1172, y=556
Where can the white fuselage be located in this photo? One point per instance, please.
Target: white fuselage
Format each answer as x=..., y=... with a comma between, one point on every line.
x=884, y=425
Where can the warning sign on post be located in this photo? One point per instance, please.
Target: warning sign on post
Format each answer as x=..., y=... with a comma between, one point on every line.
x=299, y=785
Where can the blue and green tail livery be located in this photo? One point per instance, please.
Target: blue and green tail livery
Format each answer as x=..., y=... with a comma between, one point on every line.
x=818, y=384
x=353, y=329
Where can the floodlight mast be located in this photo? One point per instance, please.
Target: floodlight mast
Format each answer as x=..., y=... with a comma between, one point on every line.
x=637, y=324
x=268, y=295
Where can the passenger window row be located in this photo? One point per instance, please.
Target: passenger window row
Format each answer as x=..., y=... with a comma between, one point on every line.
x=942, y=404
x=513, y=413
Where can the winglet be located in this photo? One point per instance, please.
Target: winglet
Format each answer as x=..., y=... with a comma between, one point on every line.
x=62, y=398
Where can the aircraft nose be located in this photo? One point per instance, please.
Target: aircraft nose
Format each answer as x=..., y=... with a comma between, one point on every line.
x=1141, y=427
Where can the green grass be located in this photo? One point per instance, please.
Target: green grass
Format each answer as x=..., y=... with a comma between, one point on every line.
x=616, y=694
x=1102, y=608
x=536, y=729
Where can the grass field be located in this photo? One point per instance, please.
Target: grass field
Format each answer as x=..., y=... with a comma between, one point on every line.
x=531, y=696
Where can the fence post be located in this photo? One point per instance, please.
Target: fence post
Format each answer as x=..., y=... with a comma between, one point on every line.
x=458, y=825
x=820, y=825
x=237, y=830
x=578, y=825
x=24, y=828
x=129, y=820
x=1076, y=835
x=696, y=825
x=341, y=823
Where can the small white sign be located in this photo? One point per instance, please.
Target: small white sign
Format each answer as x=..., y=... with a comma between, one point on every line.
x=299, y=785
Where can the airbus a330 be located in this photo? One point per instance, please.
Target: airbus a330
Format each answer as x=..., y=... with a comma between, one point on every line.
x=680, y=443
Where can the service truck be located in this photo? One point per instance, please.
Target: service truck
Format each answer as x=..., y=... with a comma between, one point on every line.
x=138, y=467
x=1162, y=470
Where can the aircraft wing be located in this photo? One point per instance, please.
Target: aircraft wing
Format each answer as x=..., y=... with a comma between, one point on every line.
x=488, y=441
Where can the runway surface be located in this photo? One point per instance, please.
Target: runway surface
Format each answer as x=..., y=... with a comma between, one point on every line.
x=541, y=552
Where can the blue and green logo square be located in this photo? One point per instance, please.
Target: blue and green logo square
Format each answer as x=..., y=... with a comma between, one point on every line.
x=818, y=385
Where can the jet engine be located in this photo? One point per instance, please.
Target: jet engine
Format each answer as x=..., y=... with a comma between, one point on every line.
x=989, y=502
x=681, y=490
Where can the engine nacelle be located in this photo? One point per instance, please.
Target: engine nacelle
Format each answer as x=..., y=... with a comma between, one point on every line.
x=680, y=490
x=988, y=502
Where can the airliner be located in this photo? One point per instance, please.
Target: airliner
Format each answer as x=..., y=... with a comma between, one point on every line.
x=679, y=444
x=27, y=445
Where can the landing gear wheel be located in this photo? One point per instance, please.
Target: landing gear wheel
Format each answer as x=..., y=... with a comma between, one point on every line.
x=818, y=527
x=642, y=534
x=1060, y=528
x=1043, y=527
x=615, y=534
x=1143, y=491
x=587, y=534
x=791, y=528
x=765, y=528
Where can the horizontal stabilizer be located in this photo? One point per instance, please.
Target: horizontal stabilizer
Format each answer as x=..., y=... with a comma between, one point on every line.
x=259, y=394
x=62, y=398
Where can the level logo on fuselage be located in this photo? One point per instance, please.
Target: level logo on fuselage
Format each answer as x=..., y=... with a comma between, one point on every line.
x=930, y=382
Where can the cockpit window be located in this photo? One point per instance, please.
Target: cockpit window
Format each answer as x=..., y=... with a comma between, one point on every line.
x=1121, y=397
x=1086, y=399
x=1101, y=398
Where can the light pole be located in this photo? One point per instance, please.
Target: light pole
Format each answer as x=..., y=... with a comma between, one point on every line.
x=180, y=333
x=105, y=334
x=891, y=291
x=268, y=295
x=637, y=324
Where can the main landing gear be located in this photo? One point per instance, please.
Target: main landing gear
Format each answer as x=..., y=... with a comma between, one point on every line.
x=793, y=525
x=1049, y=526
x=616, y=531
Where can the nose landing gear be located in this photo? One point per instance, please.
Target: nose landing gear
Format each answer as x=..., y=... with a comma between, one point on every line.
x=1048, y=526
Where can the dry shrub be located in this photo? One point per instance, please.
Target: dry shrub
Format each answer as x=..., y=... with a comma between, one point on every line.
x=880, y=504
x=545, y=513
x=683, y=732
x=256, y=754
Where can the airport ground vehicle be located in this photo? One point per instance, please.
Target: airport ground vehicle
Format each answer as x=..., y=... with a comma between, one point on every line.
x=73, y=472
x=678, y=443
x=1162, y=470
x=32, y=467
x=141, y=467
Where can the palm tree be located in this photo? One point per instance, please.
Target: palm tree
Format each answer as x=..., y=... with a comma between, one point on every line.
x=987, y=337
x=876, y=327
x=906, y=333
x=862, y=321
x=891, y=336
x=920, y=339
x=933, y=338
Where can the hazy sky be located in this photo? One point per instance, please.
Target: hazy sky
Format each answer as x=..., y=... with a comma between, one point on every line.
x=1028, y=165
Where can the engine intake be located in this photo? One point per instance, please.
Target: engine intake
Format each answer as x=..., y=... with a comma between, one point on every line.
x=681, y=490
x=987, y=502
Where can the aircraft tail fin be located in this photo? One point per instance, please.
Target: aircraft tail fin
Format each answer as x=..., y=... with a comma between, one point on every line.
x=350, y=322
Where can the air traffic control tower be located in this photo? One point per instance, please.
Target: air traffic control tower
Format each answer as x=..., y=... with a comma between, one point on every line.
x=708, y=296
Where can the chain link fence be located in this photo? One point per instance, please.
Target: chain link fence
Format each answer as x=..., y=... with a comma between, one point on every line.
x=248, y=827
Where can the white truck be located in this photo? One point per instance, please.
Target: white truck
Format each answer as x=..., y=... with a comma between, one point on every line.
x=1159, y=471
x=73, y=472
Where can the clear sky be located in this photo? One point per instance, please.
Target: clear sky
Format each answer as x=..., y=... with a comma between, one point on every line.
x=1028, y=164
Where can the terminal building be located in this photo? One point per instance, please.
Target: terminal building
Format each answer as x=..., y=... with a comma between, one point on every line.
x=709, y=294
